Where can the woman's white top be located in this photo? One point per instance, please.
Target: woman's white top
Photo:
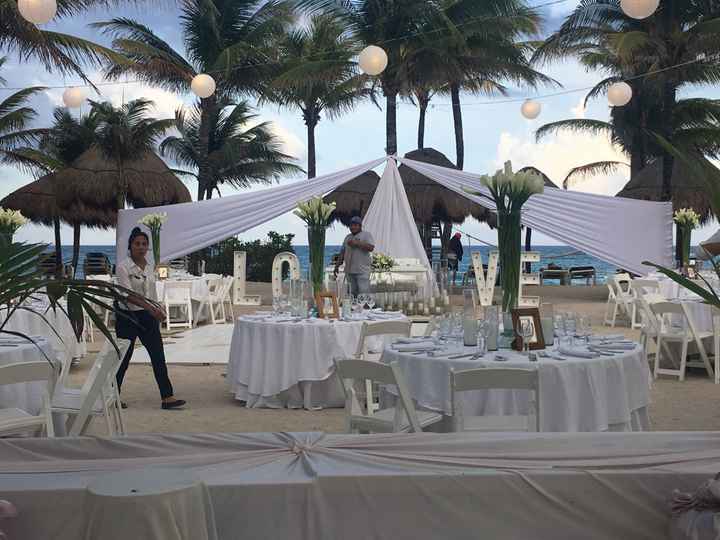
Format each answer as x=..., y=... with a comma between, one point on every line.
x=138, y=280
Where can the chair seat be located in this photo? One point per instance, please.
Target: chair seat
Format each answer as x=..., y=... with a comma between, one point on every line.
x=495, y=423
x=70, y=399
x=425, y=418
x=14, y=420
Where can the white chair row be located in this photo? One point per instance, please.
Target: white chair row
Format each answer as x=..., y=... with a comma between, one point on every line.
x=404, y=416
x=622, y=294
x=178, y=294
x=98, y=395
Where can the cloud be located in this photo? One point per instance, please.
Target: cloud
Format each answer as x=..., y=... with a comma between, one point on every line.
x=291, y=143
x=556, y=155
x=578, y=110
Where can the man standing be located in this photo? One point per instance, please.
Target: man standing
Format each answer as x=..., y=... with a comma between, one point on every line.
x=455, y=254
x=356, y=250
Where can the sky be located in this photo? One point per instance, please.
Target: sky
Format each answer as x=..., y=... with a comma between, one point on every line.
x=494, y=133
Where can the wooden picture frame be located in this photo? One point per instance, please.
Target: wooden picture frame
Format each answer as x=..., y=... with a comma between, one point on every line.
x=327, y=305
x=537, y=341
x=162, y=271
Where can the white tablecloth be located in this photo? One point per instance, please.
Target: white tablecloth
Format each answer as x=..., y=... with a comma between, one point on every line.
x=699, y=311
x=25, y=396
x=606, y=393
x=33, y=324
x=269, y=359
x=198, y=293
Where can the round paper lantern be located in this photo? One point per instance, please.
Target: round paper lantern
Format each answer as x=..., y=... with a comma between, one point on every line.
x=639, y=9
x=203, y=85
x=530, y=109
x=37, y=11
x=619, y=94
x=73, y=97
x=373, y=60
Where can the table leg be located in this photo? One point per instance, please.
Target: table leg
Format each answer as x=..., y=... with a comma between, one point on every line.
x=306, y=388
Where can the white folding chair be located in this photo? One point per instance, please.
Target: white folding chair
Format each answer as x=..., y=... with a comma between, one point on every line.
x=487, y=379
x=649, y=322
x=378, y=328
x=213, y=298
x=15, y=421
x=98, y=395
x=403, y=417
x=625, y=298
x=677, y=326
x=640, y=287
x=611, y=306
x=178, y=294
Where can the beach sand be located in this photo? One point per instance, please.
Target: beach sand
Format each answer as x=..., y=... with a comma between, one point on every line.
x=691, y=405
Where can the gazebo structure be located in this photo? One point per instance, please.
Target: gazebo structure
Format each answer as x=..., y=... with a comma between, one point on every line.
x=432, y=204
x=687, y=190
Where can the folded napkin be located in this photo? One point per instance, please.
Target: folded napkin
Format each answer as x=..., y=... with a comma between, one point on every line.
x=257, y=317
x=615, y=346
x=608, y=337
x=577, y=352
x=406, y=340
x=414, y=347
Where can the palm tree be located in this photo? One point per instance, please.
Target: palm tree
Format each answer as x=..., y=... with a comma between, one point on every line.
x=318, y=75
x=232, y=40
x=238, y=155
x=53, y=50
x=126, y=132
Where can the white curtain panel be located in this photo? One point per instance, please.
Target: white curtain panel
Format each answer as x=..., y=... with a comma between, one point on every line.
x=195, y=225
x=620, y=231
x=390, y=220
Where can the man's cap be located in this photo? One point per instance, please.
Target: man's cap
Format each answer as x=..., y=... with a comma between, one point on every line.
x=356, y=220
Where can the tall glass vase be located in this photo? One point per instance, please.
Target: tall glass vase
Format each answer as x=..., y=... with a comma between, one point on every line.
x=685, y=239
x=509, y=244
x=316, y=242
x=155, y=237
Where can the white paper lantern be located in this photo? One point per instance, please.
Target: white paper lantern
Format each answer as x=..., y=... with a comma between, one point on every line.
x=37, y=11
x=639, y=9
x=530, y=109
x=203, y=85
x=373, y=60
x=619, y=94
x=73, y=97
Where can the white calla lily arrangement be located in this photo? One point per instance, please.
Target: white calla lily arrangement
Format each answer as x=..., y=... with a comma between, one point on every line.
x=687, y=217
x=10, y=222
x=154, y=222
x=316, y=215
x=315, y=212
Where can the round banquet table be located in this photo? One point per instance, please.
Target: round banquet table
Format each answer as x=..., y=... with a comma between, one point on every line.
x=275, y=362
x=608, y=393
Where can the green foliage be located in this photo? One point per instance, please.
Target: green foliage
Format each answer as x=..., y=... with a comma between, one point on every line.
x=260, y=256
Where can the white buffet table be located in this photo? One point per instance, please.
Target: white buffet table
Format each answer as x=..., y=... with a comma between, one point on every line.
x=272, y=360
x=607, y=393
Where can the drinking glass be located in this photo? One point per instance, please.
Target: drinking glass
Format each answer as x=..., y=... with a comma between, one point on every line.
x=483, y=332
x=571, y=324
x=370, y=301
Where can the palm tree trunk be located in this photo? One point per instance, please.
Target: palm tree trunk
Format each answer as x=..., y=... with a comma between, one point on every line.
x=58, y=248
x=423, y=102
x=311, y=117
x=76, y=248
x=391, y=122
x=457, y=122
x=207, y=110
x=528, y=247
x=668, y=160
x=122, y=188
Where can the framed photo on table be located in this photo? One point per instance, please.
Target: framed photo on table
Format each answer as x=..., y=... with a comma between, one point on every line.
x=327, y=305
x=162, y=271
x=532, y=315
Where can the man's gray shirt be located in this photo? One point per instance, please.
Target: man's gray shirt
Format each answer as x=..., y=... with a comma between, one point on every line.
x=357, y=261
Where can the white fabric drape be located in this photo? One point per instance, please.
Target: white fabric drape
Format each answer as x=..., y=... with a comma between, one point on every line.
x=195, y=225
x=621, y=231
x=390, y=220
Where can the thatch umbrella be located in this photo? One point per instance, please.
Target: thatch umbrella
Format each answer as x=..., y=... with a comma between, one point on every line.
x=688, y=191
x=93, y=179
x=353, y=198
x=37, y=202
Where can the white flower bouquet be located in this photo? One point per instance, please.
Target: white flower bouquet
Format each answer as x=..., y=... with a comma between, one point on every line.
x=382, y=262
x=154, y=222
x=687, y=217
x=10, y=222
x=316, y=213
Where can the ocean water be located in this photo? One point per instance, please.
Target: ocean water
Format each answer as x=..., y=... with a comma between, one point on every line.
x=564, y=256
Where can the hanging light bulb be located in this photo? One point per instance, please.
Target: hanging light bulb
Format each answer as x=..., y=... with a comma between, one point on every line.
x=73, y=97
x=37, y=11
x=619, y=94
x=530, y=109
x=639, y=9
x=203, y=85
x=373, y=60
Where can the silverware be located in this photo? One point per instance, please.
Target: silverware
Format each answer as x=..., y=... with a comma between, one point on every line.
x=459, y=356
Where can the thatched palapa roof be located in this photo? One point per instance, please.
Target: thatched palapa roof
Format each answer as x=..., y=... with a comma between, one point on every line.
x=688, y=191
x=546, y=179
x=38, y=203
x=429, y=201
x=93, y=179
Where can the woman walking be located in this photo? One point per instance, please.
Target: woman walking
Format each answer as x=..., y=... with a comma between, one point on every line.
x=138, y=318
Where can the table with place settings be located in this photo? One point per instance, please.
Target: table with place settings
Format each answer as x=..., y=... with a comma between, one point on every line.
x=278, y=361
x=594, y=391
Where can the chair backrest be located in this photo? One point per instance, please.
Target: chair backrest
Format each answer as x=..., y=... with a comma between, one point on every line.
x=228, y=284
x=640, y=287
x=351, y=371
x=178, y=291
x=668, y=314
x=214, y=286
x=26, y=372
x=495, y=378
x=648, y=319
x=622, y=283
x=103, y=369
x=381, y=328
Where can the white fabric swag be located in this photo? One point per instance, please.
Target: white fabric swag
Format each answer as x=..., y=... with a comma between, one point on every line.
x=620, y=231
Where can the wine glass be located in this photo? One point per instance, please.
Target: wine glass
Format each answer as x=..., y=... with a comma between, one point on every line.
x=371, y=301
x=483, y=333
x=363, y=300
x=355, y=306
x=527, y=331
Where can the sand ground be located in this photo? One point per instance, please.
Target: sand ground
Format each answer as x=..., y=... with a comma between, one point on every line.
x=692, y=405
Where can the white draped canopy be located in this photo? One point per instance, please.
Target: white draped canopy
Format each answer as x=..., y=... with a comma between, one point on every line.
x=620, y=231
